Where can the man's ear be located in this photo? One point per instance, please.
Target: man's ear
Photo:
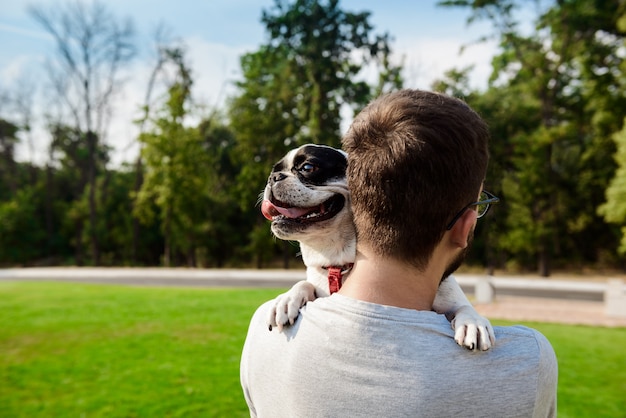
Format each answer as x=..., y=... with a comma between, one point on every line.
x=460, y=232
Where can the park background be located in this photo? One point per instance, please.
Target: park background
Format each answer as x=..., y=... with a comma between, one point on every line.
x=553, y=97
x=127, y=142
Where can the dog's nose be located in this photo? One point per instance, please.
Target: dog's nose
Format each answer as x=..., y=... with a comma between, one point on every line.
x=276, y=177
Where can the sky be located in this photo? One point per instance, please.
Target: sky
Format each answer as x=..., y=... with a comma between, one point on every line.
x=216, y=34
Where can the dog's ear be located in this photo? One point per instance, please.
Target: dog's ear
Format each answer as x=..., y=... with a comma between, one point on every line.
x=462, y=228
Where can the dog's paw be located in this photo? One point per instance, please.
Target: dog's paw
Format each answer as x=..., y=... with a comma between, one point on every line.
x=287, y=306
x=472, y=330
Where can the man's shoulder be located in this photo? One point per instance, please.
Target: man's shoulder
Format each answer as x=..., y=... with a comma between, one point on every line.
x=261, y=314
x=520, y=333
x=525, y=343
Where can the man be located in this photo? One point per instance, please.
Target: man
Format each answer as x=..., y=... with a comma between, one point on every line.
x=416, y=165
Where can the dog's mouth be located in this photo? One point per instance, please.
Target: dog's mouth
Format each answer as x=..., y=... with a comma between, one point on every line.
x=275, y=210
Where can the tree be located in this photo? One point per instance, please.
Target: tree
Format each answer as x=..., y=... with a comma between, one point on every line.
x=295, y=87
x=69, y=151
x=8, y=140
x=166, y=53
x=177, y=181
x=568, y=74
x=92, y=47
x=614, y=209
x=18, y=108
x=318, y=41
x=227, y=224
x=22, y=235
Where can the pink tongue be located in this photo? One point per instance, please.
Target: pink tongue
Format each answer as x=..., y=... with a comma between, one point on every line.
x=270, y=210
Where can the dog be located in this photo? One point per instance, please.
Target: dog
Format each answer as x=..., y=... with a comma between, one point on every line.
x=307, y=200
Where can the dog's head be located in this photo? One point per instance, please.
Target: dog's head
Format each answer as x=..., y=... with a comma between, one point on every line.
x=307, y=193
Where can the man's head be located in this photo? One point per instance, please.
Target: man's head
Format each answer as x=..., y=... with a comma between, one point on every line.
x=415, y=159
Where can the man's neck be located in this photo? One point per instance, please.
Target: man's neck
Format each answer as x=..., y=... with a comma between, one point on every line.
x=386, y=281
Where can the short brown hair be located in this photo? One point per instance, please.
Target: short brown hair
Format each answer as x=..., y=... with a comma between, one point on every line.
x=415, y=158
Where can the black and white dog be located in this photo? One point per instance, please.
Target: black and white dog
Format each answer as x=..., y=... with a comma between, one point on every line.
x=307, y=200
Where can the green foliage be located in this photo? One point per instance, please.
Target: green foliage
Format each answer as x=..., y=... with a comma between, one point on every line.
x=614, y=210
x=294, y=86
x=554, y=104
x=319, y=41
x=557, y=149
x=263, y=118
x=293, y=90
x=70, y=148
x=227, y=223
x=177, y=178
x=22, y=235
x=8, y=140
x=92, y=47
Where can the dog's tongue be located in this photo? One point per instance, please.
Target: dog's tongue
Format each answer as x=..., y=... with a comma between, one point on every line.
x=270, y=210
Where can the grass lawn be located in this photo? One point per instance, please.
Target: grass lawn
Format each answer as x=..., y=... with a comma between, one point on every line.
x=69, y=350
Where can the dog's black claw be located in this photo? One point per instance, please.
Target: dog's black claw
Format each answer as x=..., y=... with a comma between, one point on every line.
x=270, y=328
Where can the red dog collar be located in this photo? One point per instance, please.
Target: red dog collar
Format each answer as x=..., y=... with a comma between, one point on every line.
x=335, y=276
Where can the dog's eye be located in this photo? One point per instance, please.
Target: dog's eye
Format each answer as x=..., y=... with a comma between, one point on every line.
x=308, y=168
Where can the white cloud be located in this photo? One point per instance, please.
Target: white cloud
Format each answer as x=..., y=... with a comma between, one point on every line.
x=215, y=68
x=18, y=67
x=427, y=59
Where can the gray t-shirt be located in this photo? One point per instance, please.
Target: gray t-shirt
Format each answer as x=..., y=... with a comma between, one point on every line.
x=348, y=358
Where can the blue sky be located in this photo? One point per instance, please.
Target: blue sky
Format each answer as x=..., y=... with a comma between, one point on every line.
x=218, y=32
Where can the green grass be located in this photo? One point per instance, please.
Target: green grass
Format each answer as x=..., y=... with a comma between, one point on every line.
x=70, y=350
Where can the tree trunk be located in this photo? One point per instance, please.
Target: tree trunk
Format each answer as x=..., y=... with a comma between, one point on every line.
x=544, y=263
x=191, y=257
x=78, y=251
x=91, y=178
x=48, y=209
x=167, y=236
x=138, y=183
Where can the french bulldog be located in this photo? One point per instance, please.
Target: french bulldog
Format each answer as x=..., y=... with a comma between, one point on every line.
x=307, y=200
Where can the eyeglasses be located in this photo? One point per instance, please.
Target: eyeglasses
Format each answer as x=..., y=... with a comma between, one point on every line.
x=482, y=207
